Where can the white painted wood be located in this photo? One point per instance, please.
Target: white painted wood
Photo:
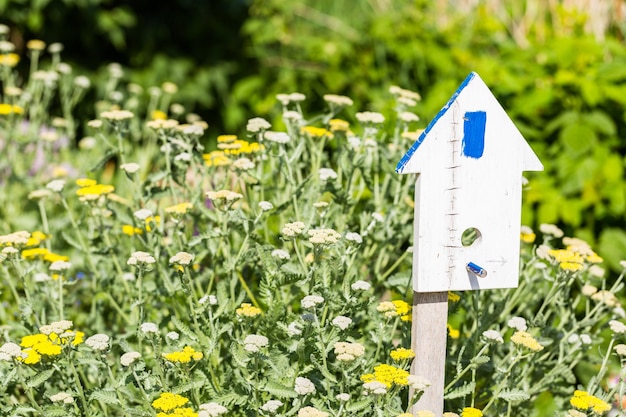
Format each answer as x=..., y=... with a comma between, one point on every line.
x=428, y=341
x=455, y=192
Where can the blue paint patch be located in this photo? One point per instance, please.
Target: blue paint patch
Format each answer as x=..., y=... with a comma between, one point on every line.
x=407, y=156
x=474, y=134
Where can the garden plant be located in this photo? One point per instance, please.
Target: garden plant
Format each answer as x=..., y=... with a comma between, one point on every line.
x=150, y=270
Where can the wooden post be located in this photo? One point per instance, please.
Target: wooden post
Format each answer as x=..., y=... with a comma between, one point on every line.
x=429, y=334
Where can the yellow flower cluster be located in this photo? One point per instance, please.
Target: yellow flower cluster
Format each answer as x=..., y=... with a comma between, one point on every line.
x=401, y=354
x=471, y=412
x=50, y=345
x=525, y=339
x=387, y=375
x=6, y=109
x=91, y=190
x=527, y=235
x=316, y=132
x=43, y=253
x=179, y=412
x=169, y=402
x=185, y=356
x=181, y=208
x=339, y=125
x=583, y=401
x=248, y=310
x=130, y=230
x=230, y=145
x=395, y=308
x=216, y=159
x=9, y=60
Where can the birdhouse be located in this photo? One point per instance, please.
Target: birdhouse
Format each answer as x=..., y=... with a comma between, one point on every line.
x=469, y=162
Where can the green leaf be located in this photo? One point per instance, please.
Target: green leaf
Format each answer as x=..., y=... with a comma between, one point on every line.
x=479, y=360
x=612, y=246
x=462, y=391
x=513, y=395
x=107, y=156
x=353, y=407
x=40, y=378
x=55, y=411
x=577, y=138
x=279, y=390
x=105, y=396
x=197, y=383
x=184, y=329
x=71, y=241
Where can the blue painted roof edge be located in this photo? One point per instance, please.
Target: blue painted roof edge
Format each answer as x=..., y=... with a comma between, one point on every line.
x=407, y=156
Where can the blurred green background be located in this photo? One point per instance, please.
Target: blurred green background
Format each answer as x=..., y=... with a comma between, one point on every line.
x=557, y=66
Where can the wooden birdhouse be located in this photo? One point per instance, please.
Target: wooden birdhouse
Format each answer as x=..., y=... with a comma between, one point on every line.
x=470, y=161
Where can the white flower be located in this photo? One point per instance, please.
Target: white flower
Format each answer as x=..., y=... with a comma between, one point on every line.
x=129, y=358
x=347, y=352
x=360, y=285
x=550, y=229
x=211, y=410
x=343, y=397
x=418, y=382
x=493, y=336
x=193, y=130
x=310, y=301
x=323, y=236
x=62, y=397
x=41, y=277
x=142, y=214
x=10, y=350
x=619, y=312
x=183, y=156
x=9, y=250
x=292, y=115
x=60, y=266
x=294, y=329
x=172, y=335
x=182, y=258
x=518, y=323
x=617, y=326
x=271, y=406
x=254, y=342
x=378, y=217
x=140, y=257
x=291, y=230
x=266, y=205
x=370, y=117
x=56, y=185
x=589, y=290
x=277, y=137
x=304, y=386
x=338, y=100
x=327, y=174
x=98, y=341
x=573, y=338
x=596, y=271
x=149, y=328
x=354, y=237
x=257, y=124
x=620, y=349
x=130, y=167
x=585, y=339
x=60, y=326
x=280, y=254
x=209, y=298
x=117, y=115
x=408, y=117
x=243, y=164
x=342, y=322
x=82, y=82
x=375, y=387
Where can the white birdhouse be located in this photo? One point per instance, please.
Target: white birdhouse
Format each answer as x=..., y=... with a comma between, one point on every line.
x=470, y=161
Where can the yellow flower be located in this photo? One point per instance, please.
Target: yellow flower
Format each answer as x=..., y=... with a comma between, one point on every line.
x=53, y=257
x=36, y=45
x=471, y=412
x=181, y=208
x=226, y=138
x=402, y=354
x=35, y=238
x=150, y=220
x=248, y=310
x=338, y=124
x=389, y=375
x=395, y=308
x=527, y=237
x=566, y=255
x=525, y=339
x=179, y=412
x=454, y=333
x=168, y=401
x=185, y=356
x=6, y=109
x=9, y=60
x=130, y=230
x=216, y=159
x=85, y=182
x=34, y=253
x=316, y=132
x=584, y=401
x=571, y=266
x=594, y=258
x=95, y=190
x=453, y=297
x=159, y=115
x=32, y=357
x=41, y=344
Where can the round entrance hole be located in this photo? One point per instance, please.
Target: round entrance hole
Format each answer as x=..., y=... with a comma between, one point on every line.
x=470, y=236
